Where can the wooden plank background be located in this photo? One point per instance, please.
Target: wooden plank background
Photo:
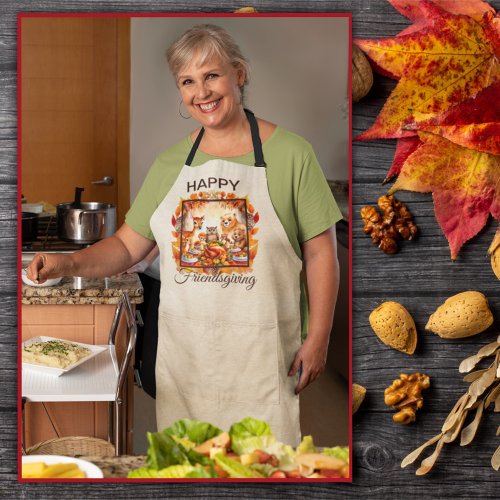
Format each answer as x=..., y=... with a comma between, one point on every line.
x=420, y=276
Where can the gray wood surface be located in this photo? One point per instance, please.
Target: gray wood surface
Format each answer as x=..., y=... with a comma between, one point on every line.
x=420, y=276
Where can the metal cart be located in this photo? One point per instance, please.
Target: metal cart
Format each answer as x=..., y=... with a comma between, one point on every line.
x=101, y=378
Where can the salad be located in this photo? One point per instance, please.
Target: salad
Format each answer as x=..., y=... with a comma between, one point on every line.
x=194, y=449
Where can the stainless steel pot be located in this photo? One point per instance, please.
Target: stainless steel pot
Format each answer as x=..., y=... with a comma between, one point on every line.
x=85, y=223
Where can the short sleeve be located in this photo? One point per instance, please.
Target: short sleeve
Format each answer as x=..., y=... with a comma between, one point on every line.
x=145, y=203
x=317, y=209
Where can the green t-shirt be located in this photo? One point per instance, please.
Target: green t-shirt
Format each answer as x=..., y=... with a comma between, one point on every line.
x=297, y=186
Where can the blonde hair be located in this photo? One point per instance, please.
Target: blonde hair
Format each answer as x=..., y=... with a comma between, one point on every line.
x=207, y=41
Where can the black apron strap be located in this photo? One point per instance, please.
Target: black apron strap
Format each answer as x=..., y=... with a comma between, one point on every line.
x=257, y=144
x=195, y=147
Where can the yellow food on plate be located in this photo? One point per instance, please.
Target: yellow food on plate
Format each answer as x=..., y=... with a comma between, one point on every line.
x=42, y=470
x=54, y=353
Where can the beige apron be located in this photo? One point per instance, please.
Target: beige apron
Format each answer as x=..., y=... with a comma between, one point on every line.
x=229, y=315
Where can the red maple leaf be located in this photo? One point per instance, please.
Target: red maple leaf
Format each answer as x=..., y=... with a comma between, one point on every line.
x=465, y=185
x=473, y=123
x=451, y=59
x=404, y=148
x=412, y=9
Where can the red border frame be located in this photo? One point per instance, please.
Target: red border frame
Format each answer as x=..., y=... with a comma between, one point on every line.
x=21, y=16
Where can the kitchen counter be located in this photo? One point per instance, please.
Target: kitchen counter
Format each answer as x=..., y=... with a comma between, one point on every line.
x=85, y=291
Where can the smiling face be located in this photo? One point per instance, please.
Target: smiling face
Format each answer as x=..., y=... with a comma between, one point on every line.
x=211, y=92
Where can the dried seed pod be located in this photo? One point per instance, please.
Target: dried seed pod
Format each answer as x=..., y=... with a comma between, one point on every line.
x=429, y=462
x=495, y=459
x=469, y=363
x=492, y=396
x=469, y=432
x=477, y=398
x=452, y=434
x=479, y=386
x=409, y=459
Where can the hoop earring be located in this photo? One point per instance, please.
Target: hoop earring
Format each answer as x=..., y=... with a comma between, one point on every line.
x=180, y=111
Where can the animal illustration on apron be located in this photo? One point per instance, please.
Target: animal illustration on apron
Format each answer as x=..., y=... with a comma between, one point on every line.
x=229, y=315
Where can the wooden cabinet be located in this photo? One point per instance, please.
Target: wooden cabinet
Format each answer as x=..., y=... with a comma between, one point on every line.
x=82, y=323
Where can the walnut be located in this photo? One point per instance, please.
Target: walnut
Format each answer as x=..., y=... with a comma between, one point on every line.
x=395, y=222
x=405, y=395
x=362, y=74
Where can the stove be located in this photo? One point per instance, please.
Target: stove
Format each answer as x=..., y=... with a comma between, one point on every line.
x=47, y=239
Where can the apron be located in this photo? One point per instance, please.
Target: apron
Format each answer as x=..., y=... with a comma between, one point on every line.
x=229, y=314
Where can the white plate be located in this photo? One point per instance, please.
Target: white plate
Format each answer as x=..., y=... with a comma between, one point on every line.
x=95, y=350
x=237, y=258
x=49, y=282
x=91, y=470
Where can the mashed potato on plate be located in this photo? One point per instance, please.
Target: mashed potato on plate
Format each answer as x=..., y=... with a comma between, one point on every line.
x=54, y=353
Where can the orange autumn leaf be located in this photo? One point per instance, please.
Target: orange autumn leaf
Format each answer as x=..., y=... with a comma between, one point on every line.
x=451, y=59
x=464, y=184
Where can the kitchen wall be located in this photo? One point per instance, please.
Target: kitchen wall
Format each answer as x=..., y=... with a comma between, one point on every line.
x=290, y=84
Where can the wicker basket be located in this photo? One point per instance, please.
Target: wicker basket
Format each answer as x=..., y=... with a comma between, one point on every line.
x=73, y=446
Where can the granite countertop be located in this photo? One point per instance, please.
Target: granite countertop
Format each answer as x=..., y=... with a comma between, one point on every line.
x=85, y=291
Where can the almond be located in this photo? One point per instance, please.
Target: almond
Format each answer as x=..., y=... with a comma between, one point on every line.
x=394, y=326
x=461, y=315
x=358, y=395
x=494, y=251
x=495, y=262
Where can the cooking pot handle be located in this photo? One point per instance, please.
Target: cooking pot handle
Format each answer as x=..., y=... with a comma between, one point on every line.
x=83, y=212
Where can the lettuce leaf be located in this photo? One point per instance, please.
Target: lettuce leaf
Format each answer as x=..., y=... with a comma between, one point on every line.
x=234, y=468
x=250, y=434
x=340, y=452
x=284, y=453
x=193, y=431
x=264, y=469
x=201, y=472
x=306, y=446
x=165, y=451
x=174, y=471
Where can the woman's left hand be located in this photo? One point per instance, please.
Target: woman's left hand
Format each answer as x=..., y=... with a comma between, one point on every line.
x=312, y=358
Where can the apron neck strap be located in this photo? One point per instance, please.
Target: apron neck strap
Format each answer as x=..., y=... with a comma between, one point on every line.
x=257, y=144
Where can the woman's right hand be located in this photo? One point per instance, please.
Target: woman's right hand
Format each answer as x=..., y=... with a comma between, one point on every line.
x=45, y=266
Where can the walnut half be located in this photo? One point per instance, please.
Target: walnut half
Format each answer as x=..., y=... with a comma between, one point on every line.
x=405, y=395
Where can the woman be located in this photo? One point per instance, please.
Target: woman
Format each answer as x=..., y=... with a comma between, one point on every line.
x=237, y=210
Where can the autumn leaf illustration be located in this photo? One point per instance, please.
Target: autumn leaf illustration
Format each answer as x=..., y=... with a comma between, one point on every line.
x=474, y=123
x=465, y=185
x=446, y=62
